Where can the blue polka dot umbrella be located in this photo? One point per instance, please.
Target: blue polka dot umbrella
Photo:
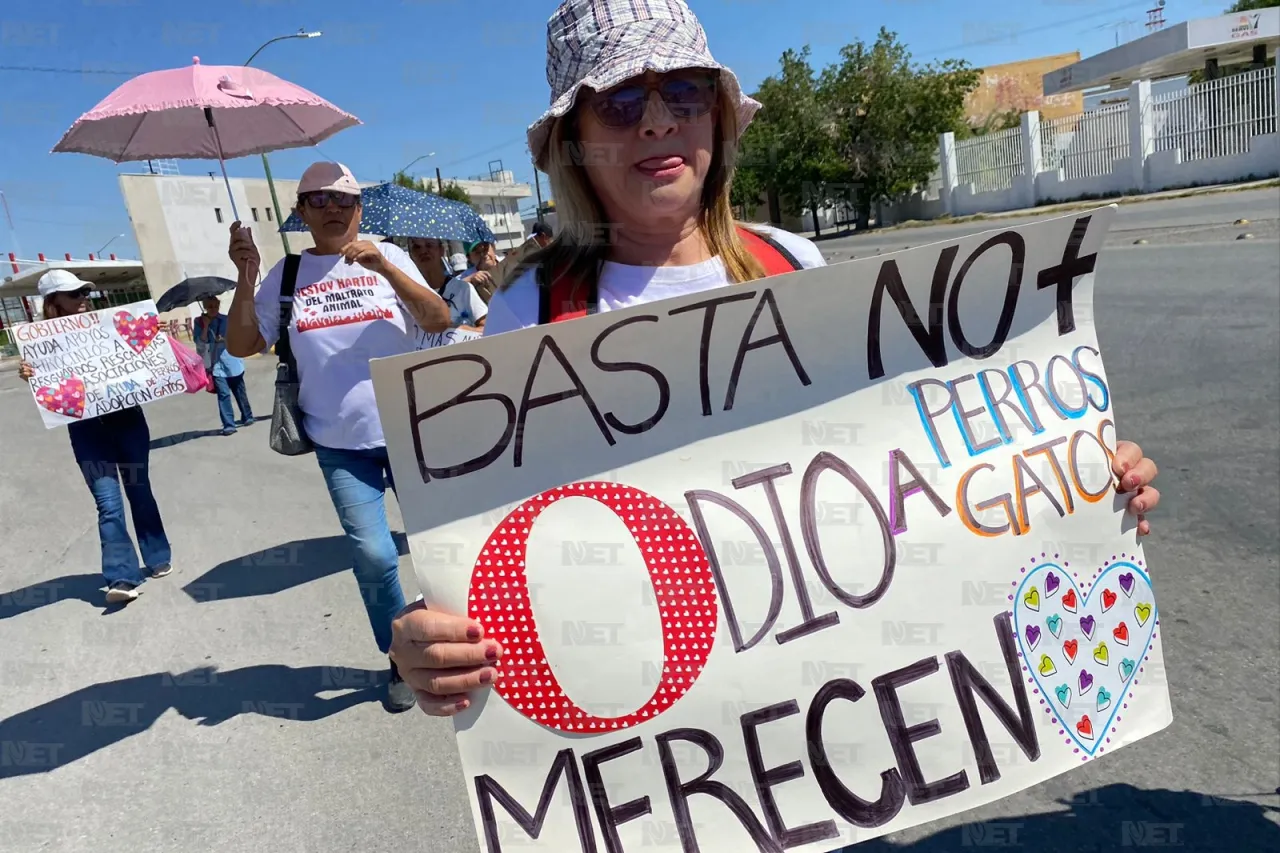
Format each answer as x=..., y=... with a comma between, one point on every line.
x=391, y=210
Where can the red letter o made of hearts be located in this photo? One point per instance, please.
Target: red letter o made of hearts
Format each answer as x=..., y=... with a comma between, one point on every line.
x=682, y=585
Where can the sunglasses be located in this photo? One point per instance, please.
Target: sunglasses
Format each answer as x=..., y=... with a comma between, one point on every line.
x=687, y=95
x=320, y=199
x=82, y=293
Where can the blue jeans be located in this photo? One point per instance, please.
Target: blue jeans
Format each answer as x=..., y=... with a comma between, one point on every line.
x=228, y=385
x=112, y=450
x=357, y=482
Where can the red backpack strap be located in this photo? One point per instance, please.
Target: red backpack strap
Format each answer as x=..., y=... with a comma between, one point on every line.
x=771, y=254
x=564, y=300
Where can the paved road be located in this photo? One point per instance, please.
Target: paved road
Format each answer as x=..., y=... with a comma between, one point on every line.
x=214, y=714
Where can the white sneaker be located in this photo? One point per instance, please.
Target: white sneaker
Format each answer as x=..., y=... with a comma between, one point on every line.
x=121, y=592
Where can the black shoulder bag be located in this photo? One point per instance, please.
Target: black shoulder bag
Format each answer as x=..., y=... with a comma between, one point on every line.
x=288, y=436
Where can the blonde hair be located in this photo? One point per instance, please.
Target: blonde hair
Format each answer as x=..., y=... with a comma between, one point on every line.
x=582, y=238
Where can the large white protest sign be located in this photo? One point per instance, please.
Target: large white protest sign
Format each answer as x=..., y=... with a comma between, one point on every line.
x=87, y=365
x=789, y=564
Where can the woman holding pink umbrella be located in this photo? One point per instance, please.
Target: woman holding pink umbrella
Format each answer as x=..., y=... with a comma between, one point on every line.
x=347, y=301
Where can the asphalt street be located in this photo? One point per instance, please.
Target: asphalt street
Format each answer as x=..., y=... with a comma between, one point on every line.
x=232, y=707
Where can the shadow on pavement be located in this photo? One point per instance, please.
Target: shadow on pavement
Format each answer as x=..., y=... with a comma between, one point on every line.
x=276, y=569
x=76, y=725
x=1114, y=817
x=86, y=588
x=192, y=435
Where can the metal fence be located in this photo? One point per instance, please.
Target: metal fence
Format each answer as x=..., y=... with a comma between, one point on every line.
x=991, y=162
x=1216, y=118
x=1085, y=145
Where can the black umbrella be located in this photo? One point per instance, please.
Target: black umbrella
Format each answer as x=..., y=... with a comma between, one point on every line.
x=193, y=290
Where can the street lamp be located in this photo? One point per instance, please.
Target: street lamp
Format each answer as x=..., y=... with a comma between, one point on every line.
x=405, y=169
x=106, y=244
x=266, y=166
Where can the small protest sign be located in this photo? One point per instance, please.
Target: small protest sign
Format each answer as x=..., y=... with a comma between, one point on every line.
x=790, y=564
x=87, y=365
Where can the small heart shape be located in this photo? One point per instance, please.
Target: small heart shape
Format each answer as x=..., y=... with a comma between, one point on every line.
x=1055, y=625
x=1033, y=636
x=1051, y=583
x=1126, y=583
x=1104, y=699
x=1046, y=666
x=1069, y=601
x=1126, y=669
x=1032, y=599
x=1143, y=612
x=1063, y=693
x=1069, y=649
x=1086, y=681
x=1108, y=600
x=1087, y=625
x=1100, y=654
x=1121, y=634
x=1085, y=727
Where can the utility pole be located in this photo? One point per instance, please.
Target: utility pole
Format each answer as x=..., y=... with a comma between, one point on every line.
x=439, y=182
x=537, y=185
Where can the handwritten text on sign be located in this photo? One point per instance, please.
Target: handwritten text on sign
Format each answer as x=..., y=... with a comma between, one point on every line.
x=87, y=365
x=789, y=564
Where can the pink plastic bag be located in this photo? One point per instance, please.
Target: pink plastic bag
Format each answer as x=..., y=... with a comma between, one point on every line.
x=192, y=366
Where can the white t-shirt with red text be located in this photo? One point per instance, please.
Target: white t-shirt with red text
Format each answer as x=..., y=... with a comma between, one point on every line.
x=343, y=316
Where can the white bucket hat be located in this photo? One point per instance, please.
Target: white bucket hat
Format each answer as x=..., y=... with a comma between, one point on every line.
x=600, y=43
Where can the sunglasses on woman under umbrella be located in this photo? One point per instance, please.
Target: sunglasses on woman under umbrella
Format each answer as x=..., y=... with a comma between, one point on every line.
x=319, y=199
x=687, y=95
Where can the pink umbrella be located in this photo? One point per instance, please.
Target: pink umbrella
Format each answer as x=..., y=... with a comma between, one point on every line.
x=203, y=112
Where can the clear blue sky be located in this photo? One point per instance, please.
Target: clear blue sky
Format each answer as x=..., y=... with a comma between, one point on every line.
x=462, y=78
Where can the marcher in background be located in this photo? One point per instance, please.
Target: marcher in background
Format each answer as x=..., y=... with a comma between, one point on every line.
x=467, y=311
x=484, y=260
x=209, y=331
x=353, y=301
x=111, y=450
x=458, y=262
x=673, y=115
x=541, y=232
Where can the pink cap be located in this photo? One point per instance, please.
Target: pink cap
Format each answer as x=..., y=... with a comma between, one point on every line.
x=328, y=176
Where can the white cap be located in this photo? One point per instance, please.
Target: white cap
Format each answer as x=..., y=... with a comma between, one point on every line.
x=459, y=262
x=328, y=176
x=60, y=281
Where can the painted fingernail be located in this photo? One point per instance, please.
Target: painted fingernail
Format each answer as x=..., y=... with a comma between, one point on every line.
x=491, y=653
x=473, y=633
x=486, y=677
x=461, y=706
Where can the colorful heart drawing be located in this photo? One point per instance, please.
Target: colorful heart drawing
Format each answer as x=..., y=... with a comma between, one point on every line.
x=1033, y=636
x=1086, y=681
x=1032, y=599
x=1097, y=624
x=1069, y=601
x=138, y=332
x=1101, y=655
x=65, y=398
x=1051, y=584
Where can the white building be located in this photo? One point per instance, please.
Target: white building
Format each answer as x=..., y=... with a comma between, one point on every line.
x=498, y=199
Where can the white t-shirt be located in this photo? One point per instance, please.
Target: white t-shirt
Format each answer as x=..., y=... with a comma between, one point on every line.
x=343, y=316
x=622, y=285
x=466, y=308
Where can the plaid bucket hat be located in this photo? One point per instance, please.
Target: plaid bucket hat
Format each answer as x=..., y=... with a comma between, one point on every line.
x=601, y=43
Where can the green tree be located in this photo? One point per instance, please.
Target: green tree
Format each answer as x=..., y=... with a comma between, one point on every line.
x=888, y=113
x=789, y=151
x=451, y=191
x=1251, y=5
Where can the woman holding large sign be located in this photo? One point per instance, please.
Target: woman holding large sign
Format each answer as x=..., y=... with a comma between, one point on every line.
x=348, y=301
x=639, y=144
x=112, y=449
